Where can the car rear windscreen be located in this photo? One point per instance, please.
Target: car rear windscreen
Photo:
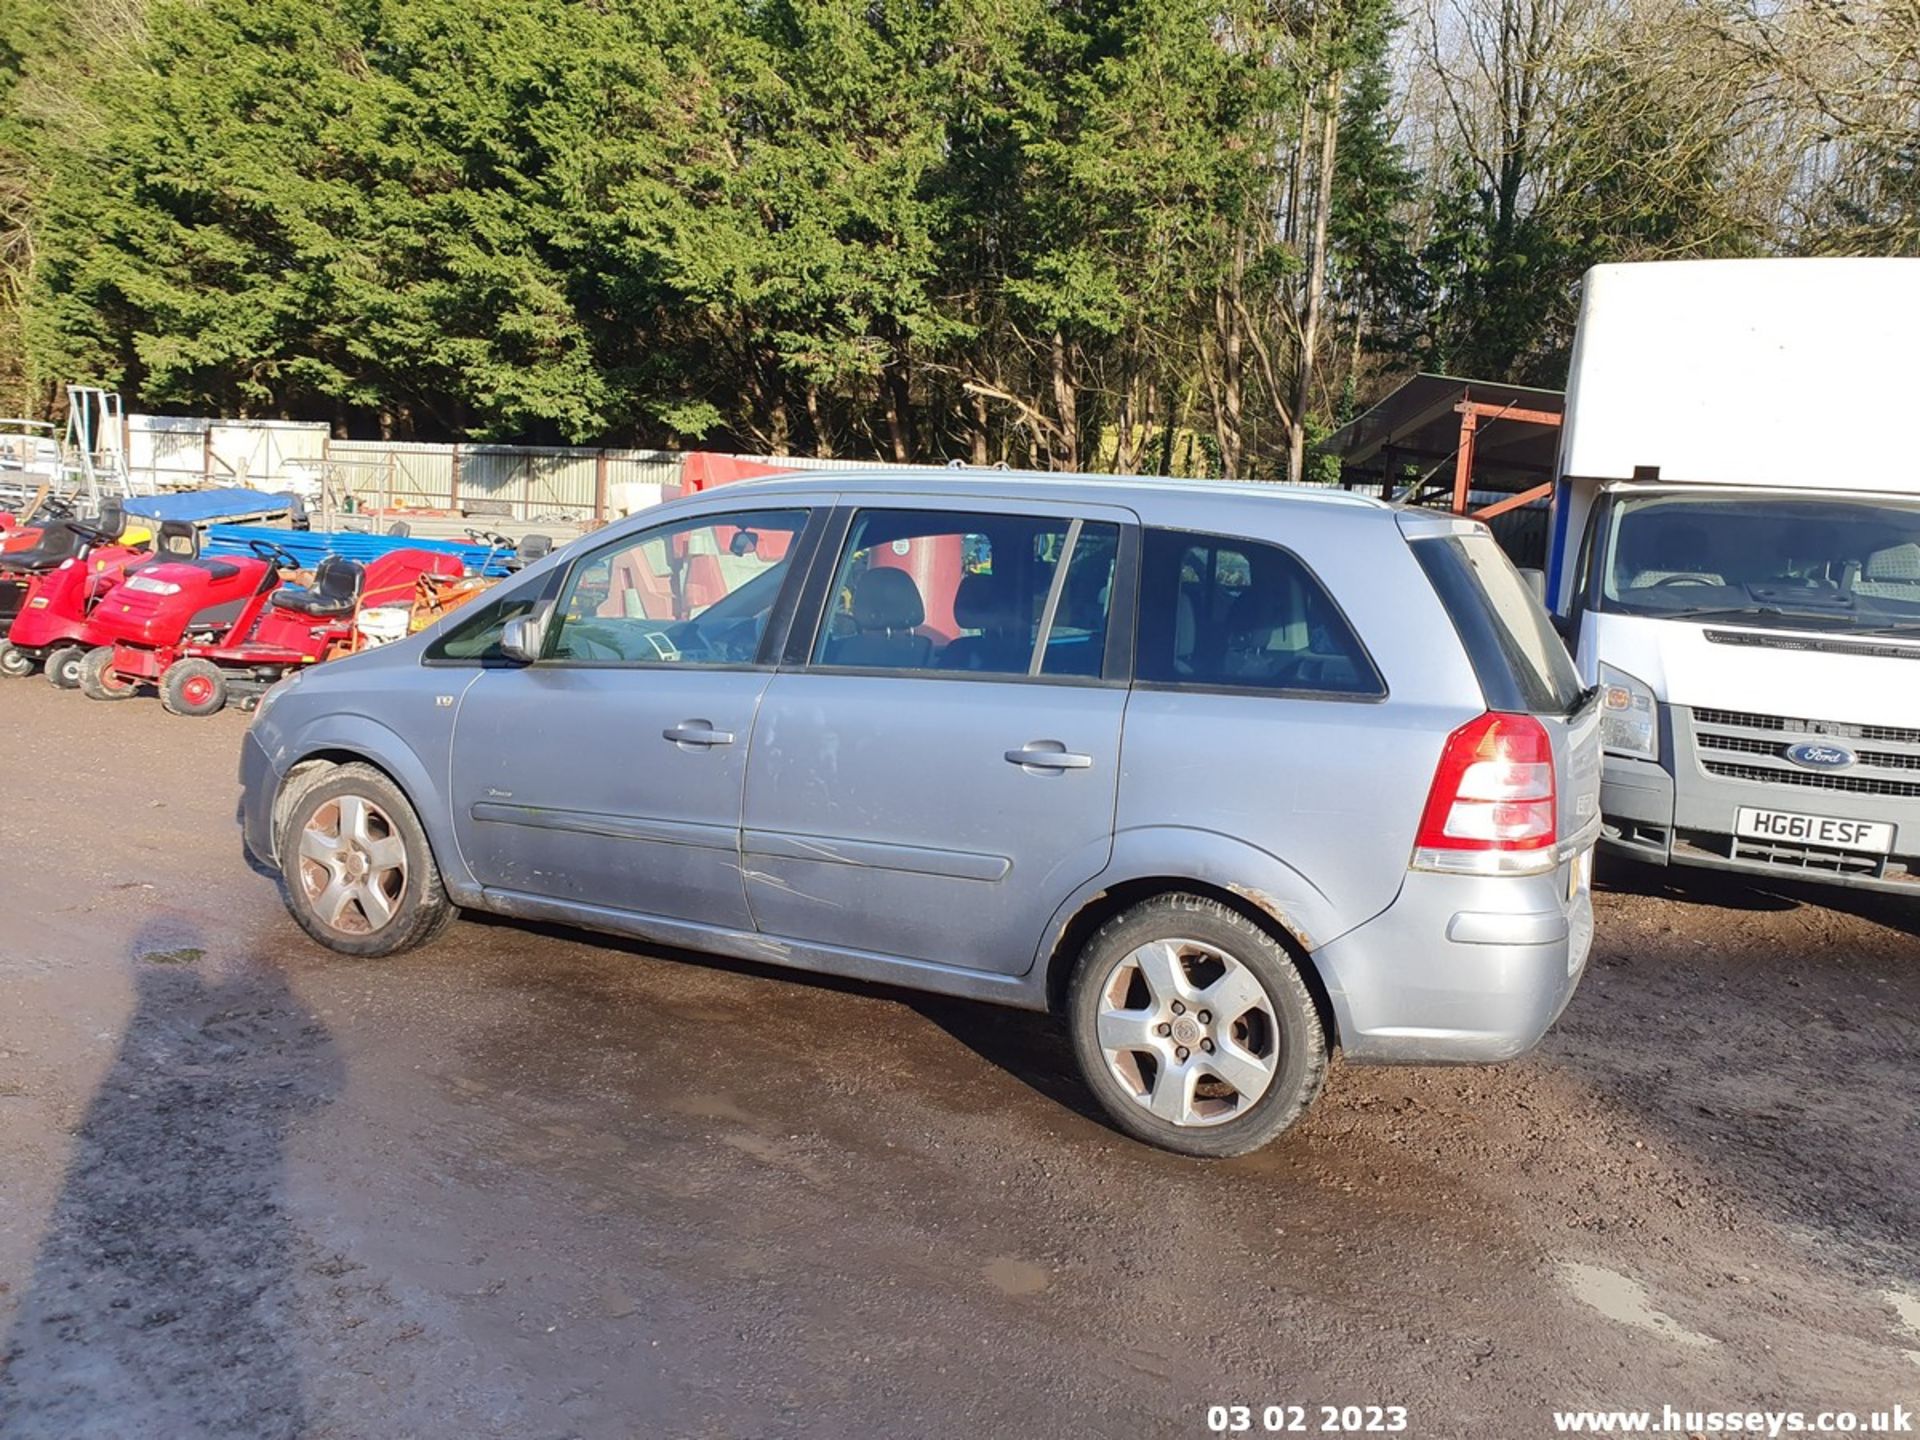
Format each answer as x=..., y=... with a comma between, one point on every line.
x=1521, y=664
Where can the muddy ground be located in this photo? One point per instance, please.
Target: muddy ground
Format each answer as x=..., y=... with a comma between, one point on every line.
x=533, y=1184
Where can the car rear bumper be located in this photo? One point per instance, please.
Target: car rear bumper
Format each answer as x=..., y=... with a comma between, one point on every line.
x=259, y=783
x=1461, y=969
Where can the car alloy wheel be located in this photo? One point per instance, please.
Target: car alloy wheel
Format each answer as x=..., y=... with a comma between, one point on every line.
x=353, y=865
x=1188, y=1031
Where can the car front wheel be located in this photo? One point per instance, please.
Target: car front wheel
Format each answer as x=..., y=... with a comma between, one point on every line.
x=1194, y=1029
x=360, y=875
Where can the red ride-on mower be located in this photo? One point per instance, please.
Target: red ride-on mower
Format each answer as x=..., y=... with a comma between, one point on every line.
x=58, y=544
x=149, y=616
x=55, y=626
x=299, y=626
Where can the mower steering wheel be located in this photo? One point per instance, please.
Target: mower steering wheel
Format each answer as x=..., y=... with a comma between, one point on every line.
x=274, y=555
x=89, y=534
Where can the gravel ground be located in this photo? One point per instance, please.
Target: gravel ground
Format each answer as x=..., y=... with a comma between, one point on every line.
x=532, y=1184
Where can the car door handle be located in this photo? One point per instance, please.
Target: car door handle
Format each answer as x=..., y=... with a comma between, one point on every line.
x=696, y=732
x=1048, y=755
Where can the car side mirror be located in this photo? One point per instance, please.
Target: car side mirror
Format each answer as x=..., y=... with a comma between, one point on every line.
x=521, y=641
x=1536, y=581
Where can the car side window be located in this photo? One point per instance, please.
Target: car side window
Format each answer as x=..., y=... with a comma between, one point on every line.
x=1218, y=611
x=967, y=593
x=474, y=637
x=690, y=592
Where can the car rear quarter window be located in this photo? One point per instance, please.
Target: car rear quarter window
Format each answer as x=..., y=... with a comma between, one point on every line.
x=1519, y=660
x=1222, y=612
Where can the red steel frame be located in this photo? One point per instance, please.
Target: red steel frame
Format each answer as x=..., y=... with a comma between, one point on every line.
x=1471, y=413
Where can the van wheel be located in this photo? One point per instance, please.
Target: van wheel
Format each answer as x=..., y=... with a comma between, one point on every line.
x=360, y=876
x=14, y=662
x=193, y=688
x=98, y=680
x=63, y=666
x=1193, y=1028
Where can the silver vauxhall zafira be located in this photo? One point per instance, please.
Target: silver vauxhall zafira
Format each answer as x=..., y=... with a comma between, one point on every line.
x=1224, y=774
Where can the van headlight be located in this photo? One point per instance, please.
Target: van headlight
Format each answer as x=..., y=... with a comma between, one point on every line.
x=1629, y=715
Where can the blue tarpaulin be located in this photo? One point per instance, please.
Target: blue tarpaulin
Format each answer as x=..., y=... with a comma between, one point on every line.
x=309, y=546
x=201, y=506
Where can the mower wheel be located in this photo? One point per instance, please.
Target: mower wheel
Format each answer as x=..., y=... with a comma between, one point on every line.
x=193, y=688
x=98, y=679
x=63, y=666
x=360, y=875
x=14, y=662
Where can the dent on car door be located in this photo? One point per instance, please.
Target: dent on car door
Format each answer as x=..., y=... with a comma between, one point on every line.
x=609, y=772
x=935, y=769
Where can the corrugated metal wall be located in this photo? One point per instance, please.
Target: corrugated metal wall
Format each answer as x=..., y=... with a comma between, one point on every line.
x=523, y=482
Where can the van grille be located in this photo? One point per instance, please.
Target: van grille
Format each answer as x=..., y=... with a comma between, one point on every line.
x=1742, y=745
x=1812, y=729
x=1888, y=759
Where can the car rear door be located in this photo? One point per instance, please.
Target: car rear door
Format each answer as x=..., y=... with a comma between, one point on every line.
x=933, y=770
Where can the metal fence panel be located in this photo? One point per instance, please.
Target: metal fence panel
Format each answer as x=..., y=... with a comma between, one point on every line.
x=167, y=451
x=530, y=479
x=380, y=474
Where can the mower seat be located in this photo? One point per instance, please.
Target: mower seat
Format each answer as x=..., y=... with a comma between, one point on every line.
x=57, y=543
x=177, y=540
x=335, y=590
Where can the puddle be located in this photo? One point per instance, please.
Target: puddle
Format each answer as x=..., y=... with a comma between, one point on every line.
x=1014, y=1277
x=1624, y=1299
x=1906, y=1304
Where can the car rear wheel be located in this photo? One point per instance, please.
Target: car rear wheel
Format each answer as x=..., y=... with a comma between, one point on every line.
x=14, y=662
x=360, y=876
x=193, y=688
x=63, y=666
x=99, y=680
x=1194, y=1029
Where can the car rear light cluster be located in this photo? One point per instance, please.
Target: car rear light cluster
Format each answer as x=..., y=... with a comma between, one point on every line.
x=1492, y=808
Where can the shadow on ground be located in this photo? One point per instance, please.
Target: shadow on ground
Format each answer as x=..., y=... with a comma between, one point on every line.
x=162, y=1300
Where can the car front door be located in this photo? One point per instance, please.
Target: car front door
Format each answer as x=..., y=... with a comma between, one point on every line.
x=933, y=769
x=609, y=772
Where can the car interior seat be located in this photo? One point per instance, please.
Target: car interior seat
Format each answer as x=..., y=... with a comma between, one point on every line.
x=989, y=605
x=1892, y=574
x=887, y=613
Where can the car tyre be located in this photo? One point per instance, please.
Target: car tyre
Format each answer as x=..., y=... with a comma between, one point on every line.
x=360, y=875
x=98, y=680
x=193, y=688
x=1194, y=1029
x=14, y=662
x=63, y=666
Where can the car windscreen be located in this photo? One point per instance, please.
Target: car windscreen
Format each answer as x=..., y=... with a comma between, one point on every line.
x=1804, y=562
x=1520, y=662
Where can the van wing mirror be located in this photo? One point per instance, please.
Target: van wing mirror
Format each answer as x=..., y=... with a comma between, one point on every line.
x=521, y=641
x=1535, y=581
